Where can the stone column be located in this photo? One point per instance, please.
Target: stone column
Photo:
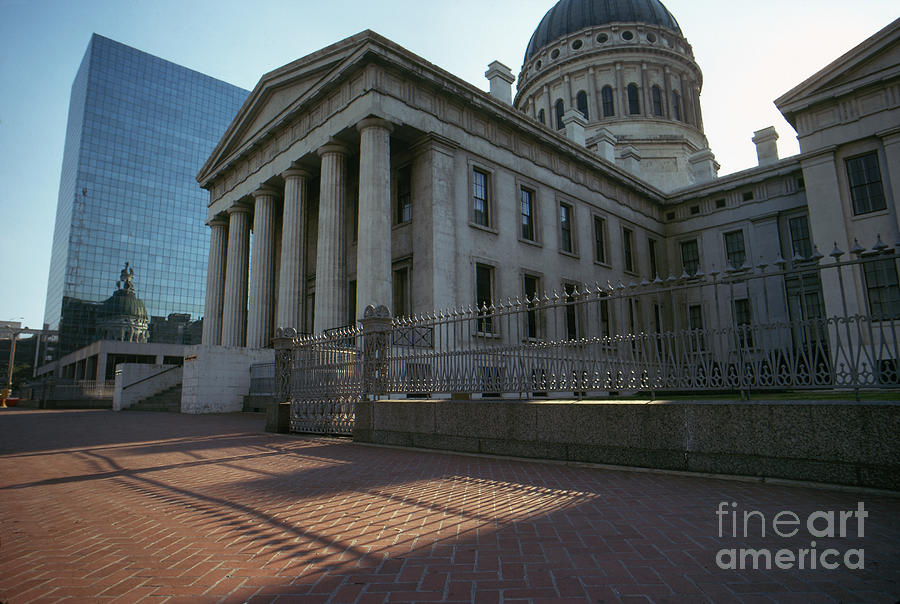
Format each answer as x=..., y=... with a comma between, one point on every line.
x=373, y=260
x=594, y=110
x=262, y=271
x=292, y=272
x=331, y=265
x=891, y=140
x=234, y=308
x=215, y=282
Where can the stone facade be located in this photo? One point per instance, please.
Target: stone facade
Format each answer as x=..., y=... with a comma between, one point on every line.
x=370, y=176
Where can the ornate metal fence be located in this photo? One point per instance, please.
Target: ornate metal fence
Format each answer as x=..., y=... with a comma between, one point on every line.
x=779, y=326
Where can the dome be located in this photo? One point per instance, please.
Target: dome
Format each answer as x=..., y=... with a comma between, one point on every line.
x=124, y=303
x=570, y=16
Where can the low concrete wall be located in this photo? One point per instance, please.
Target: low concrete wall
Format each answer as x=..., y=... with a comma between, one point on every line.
x=216, y=378
x=136, y=382
x=841, y=443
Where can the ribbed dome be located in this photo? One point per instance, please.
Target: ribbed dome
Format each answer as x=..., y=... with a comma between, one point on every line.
x=570, y=16
x=124, y=304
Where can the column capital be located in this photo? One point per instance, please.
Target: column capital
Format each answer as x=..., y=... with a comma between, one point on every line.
x=374, y=122
x=297, y=170
x=238, y=208
x=265, y=191
x=333, y=146
x=217, y=221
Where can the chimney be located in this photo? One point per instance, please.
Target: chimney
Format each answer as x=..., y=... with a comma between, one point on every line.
x=574, y=123
x=501, y=79
x=703, y=166
x=766, y=149
x=604, y=142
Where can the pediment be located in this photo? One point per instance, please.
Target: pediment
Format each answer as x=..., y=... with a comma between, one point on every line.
x=277, y=93
x=874, y=60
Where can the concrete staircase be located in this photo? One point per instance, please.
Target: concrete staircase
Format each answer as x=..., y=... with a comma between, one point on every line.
x=167, y=400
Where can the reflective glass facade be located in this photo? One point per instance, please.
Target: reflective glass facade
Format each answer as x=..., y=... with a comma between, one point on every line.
x=139, y=130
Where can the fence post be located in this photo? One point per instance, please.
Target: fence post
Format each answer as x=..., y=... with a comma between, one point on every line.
x=376, y=324
x=278, y=415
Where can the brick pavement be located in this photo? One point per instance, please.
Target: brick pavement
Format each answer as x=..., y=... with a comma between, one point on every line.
x=97, y=506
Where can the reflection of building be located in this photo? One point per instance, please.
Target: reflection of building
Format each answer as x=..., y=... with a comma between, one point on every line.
x=139, y=127
x=369, y=176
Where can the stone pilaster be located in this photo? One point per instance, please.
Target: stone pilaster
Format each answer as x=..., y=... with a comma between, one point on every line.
x=331, y=266
x=262, y=271
x=291, y=279
x=373, y=260
x=215, y=282
x=234, y=308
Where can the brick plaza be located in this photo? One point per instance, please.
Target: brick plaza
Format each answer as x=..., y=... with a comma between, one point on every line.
x=97, y=506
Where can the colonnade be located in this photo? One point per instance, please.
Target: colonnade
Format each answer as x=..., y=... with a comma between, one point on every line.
x=241, y=298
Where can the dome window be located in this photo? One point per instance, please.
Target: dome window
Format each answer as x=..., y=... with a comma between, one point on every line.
x=634, y=100
x=538, y=65
x=577, y=44
x=560, y=109
x=627, y=35
x=603, y=38
x=542, y=117
x=676, y=105
x=581, y=103
x=656, y=97
x=554, y=54
x=651, y=38
x=609, y=106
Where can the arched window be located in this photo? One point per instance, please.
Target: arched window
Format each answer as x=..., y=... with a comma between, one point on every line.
x=609, y=107
x=559, y=114
x=542, y=117
x=634, y=101
x=581, y=103
x=676, y=105
x=656, y=97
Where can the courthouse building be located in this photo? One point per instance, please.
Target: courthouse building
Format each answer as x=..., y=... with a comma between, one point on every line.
x=368, y=175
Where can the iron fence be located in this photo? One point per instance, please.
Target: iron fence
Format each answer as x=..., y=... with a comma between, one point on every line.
x=262, y=379
x=780, y=326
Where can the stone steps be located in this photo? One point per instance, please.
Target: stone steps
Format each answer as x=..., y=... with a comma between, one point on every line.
x=166, y=401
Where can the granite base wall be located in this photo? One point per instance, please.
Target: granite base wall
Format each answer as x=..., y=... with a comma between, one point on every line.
x=841, y=443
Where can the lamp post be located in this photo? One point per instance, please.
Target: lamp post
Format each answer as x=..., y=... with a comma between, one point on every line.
x=13, y=329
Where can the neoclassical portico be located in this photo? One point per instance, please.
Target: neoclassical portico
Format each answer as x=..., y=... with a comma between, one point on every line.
x=242, y=316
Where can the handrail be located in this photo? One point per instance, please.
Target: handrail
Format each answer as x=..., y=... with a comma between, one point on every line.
x=150, y=377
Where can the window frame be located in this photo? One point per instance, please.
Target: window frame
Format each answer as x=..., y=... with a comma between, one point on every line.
x=792, y=220
x=633, y=94
x=478, y=168
x=730, y=235
x=608, y=100
x=629, y=261
x=853, y=189
x=559, y=110
x=581, y=103
x=657, y=101
x=523, y=187
x=397, y=266
x=573, y=239
x=892, y=284
x=533, y=317
x=398, y=212
x=484, y=320
x=682, y=246
x=603, y=240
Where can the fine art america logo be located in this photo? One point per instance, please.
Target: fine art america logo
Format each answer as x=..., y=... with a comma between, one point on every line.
x=821, y=524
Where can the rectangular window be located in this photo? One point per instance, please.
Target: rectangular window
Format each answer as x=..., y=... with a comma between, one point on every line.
x=604, y=316
x=404, y=195
x=800, y=241
x=628, y=249
x=743, y=318
x=532, y=288
x=695, y=324
x=651, y=249
x=599, y=239
x=480, y=200
x=401, y=290
x=734, y=248
x=883, y=289
x=566, y=242
x=866, y=190
x=690, y=257
x=526, y=199
x=571, y=312
x=484, y=296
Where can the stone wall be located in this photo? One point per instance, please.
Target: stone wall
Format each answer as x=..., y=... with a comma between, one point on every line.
x=842, y=443
x=216, y=378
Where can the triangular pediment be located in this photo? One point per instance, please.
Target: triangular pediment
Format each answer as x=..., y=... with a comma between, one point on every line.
x=279, y=92
x=874, y=60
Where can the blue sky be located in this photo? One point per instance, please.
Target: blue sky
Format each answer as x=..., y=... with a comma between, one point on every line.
x=750, y=53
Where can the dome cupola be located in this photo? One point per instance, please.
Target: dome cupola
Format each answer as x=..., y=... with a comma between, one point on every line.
x=626, y=67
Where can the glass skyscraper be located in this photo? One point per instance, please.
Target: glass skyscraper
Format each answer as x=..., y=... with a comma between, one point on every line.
x=139, y=130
